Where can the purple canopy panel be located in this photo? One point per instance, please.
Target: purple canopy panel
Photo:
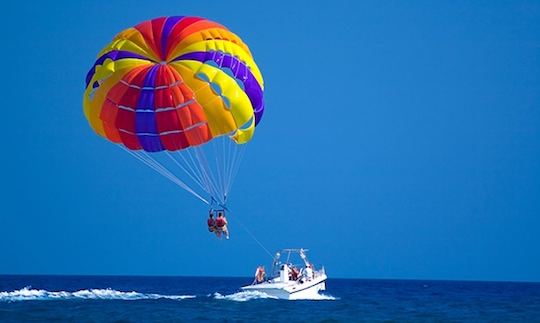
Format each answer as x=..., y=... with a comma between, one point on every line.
x=145, y=121
x=240, y=71
x=112, y=55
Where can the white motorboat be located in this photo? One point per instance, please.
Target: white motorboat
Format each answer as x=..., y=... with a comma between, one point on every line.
x=290, y=281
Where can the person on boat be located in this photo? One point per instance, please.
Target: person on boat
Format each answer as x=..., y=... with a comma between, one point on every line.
x=260, y=275
x=211, y=222
x=294, y=273
x=308, y=271
x=221, y=225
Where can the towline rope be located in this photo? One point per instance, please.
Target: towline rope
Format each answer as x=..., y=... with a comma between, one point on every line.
x=254, y=238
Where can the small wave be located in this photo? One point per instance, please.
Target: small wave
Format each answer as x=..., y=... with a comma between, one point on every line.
x=28, y=294
x=243, y=296
x=319, y=297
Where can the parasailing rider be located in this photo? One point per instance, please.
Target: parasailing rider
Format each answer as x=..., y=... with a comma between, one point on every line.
x=211, y=221
x=221, y=225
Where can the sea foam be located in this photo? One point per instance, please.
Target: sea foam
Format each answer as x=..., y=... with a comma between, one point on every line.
x=319, y=297
x=29, y=294
x=244, y=296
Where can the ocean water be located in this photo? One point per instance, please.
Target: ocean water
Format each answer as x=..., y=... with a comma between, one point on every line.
x=180, y=299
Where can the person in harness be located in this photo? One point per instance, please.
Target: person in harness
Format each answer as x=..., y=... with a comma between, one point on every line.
x=211, y=222
x=221, y=225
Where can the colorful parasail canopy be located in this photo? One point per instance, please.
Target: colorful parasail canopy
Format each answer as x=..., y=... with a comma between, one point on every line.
x=178, y=85
x=172, y=83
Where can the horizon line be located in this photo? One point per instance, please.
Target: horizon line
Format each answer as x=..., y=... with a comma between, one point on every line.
x=249, y=277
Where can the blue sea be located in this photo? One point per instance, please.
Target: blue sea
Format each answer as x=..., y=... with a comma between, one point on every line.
x=181, y=299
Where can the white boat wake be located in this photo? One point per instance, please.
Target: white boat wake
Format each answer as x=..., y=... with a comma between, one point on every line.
x=244, y=296
x=28, y=294
x=318, y=297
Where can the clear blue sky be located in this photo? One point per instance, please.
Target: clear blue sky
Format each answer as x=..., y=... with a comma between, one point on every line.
x=400, y=140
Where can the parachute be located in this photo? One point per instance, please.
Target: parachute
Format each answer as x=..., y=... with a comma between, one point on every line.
x=181, y=94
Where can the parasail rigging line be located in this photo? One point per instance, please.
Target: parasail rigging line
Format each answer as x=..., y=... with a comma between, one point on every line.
x=213, y=175
x=153, y=164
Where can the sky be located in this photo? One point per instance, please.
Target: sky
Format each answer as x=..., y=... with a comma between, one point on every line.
x=400, y=140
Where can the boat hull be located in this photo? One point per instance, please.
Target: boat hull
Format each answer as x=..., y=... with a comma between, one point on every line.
x=292, y=290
